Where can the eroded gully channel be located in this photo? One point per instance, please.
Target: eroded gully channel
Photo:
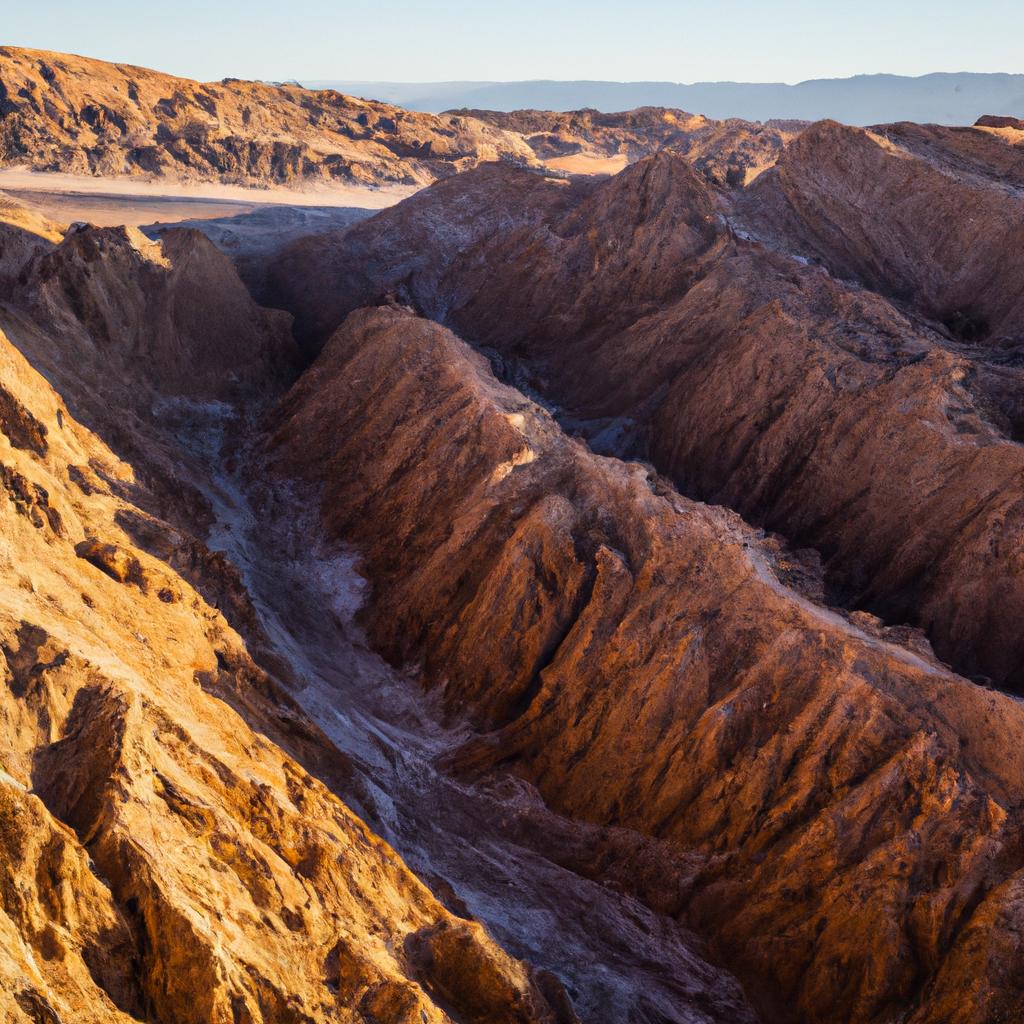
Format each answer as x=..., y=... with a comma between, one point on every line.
x=620, y=962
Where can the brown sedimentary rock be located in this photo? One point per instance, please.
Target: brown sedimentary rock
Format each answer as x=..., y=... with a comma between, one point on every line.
x=930, y=216
x=172, y=312
x=435, y=250
x=322, y=278
x=810, y=405
x=135, y=333
x=72, y=114
x=129, y=720
x=835, y=811
x=854, y=805
x=729, y=153
x=23, y=233
x=167, y=855
x=999, y=121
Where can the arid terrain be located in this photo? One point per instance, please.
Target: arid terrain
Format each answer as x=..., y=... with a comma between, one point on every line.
x=79, y=116
x=537, y=597
x=75, y=116
x=732, y=152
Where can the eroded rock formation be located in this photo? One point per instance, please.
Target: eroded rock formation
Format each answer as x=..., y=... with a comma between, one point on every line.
x=645, y=307
x=162, y=860
x=72, y=114
x=853, y=806
x=178, y=831
x=22, y=234
x=926, y=215
x=655, y=746
x=730, y=153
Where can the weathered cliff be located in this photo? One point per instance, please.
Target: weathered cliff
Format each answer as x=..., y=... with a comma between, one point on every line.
x=852, y=807
x=809, y=404
x=167, y=853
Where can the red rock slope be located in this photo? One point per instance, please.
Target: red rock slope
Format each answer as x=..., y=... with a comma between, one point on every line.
x=181, y=839
x=836, y=812
x=812, y=406
x=166, y=853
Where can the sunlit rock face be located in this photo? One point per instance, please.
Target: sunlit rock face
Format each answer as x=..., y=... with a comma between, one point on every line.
x=809, y=778
x=80, y=116
x=729, y=153
x=190, y=832
x=176, y=840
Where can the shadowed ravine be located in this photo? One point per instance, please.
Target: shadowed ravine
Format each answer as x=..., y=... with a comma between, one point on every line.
x=618, y=959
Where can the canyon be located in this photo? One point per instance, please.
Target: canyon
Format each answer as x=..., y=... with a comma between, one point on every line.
x=739, y=346
x=556, y=597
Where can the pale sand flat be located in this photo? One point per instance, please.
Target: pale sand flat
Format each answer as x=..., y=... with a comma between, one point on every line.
x=585, y=163
x=107, y=201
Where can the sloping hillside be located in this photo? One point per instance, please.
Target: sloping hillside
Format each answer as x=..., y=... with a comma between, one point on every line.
x=73, y=114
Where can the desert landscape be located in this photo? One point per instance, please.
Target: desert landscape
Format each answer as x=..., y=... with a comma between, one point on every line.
x=505, y=566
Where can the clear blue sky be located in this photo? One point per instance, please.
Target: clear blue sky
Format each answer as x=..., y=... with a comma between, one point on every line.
x=419, y=40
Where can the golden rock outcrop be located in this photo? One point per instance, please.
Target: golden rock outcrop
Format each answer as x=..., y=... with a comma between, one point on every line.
x=176, y=842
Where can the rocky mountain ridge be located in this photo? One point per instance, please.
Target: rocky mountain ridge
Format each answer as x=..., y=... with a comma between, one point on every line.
x=659, y=271
x=658, y=675
x=75, y=115
x=60, y=112
x=942, y=98
x=729, y=152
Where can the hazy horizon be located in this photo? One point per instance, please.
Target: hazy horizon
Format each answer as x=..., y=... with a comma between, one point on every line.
x=311, y=82
x=941, y=98
x=741, y=41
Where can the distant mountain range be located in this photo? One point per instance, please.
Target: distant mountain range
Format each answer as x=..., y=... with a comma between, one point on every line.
x=862, y=100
